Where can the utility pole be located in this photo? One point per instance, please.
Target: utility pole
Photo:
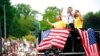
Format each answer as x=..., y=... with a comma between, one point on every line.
x=0, y=41
x=4, y=21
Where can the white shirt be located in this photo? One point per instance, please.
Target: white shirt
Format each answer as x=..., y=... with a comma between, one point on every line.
x=67, y=18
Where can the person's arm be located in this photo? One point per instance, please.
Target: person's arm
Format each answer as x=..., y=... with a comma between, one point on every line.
x=61, y=10
x=81, y=18
x=49, y=22
x=62, y=13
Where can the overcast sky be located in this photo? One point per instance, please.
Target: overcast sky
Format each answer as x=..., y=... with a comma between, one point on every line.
x=83, y=5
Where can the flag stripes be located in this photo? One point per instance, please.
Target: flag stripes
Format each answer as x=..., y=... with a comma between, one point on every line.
x=56, y=38
x=90, y=49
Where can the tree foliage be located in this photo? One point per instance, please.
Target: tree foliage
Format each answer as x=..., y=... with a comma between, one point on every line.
x=92, y=20
x=29, y=38
x=23, y=22
x=50, y=13
x=20, y=19
x=9, y=15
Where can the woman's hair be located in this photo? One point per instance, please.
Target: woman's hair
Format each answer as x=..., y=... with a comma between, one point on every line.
x=76, y=11
x=75, y=14
x=59, y=16
x=70, y=7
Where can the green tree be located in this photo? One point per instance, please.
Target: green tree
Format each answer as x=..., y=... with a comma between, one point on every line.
x=92, y=20
x=23, y=22
x=25, y=10
x=5, y=4
x=36, y=28
x=50, y=13
x=30, y=38
x=9, y=15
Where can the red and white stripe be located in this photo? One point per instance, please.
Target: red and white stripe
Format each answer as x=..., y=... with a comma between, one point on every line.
x=56, y=38
x=91, y=50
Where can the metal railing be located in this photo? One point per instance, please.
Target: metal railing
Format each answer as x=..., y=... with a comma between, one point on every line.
x=71, y=53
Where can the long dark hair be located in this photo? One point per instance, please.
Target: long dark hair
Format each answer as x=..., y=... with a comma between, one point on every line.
x=76, y=11
x=59, y=16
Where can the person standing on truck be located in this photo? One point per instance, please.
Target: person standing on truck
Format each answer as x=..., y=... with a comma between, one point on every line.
x=78, y=23
x=59, y=24
x=68, y=17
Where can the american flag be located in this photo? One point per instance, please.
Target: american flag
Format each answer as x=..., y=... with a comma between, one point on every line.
x=44, y=34
x=56, y=38
x=89, y=42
